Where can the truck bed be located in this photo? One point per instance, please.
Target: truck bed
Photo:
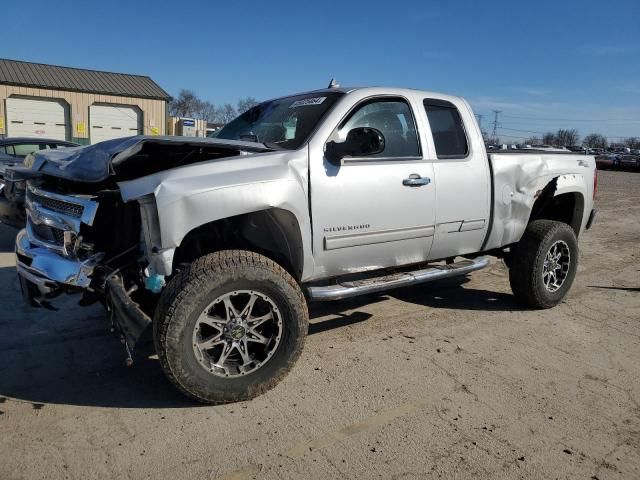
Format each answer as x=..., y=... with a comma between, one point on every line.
x=518, y=179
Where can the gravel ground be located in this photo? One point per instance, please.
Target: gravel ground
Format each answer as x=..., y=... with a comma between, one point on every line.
x=442, y=381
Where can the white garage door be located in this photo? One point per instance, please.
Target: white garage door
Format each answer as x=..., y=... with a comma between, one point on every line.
x=28, y=117
x=110, y=121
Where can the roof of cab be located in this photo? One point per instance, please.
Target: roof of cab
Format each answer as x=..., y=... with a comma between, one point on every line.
x=381, y=91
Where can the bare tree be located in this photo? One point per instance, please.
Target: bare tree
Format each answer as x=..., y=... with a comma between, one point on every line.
x=205, y=110
x=226, y=113
x=549, y=138
x=632, y=142
x=595, y=140
x=533, y=141
x=566, y=137
x=187, y=104
x=246, y=103
x=184, y=104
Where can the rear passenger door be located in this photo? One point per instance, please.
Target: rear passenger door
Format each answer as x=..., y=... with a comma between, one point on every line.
x=462, y=178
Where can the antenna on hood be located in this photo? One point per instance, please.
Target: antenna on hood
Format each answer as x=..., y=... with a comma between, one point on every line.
x=333, y=84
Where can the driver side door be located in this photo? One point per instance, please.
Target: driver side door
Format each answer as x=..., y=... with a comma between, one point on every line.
x=375, y=211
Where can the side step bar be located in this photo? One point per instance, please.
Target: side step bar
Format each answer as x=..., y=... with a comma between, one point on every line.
x=348, y=289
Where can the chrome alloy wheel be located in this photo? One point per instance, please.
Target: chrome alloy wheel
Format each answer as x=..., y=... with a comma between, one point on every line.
x=237, y=333
x=556, y=266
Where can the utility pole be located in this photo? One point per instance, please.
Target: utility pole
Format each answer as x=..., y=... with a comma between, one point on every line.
x=494, y=134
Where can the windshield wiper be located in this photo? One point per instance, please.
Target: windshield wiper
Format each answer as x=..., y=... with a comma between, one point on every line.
x=273, y=146
x=249, y=137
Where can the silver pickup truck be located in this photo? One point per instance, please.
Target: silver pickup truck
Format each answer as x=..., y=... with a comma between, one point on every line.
x=220, y=243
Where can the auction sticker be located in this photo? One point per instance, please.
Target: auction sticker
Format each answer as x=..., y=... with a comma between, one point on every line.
x=308, y=101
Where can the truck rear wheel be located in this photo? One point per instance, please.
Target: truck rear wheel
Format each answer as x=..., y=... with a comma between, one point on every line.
x=230, y=326
x=544, y=263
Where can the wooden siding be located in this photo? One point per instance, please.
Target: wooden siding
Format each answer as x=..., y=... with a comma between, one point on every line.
x=153, y=111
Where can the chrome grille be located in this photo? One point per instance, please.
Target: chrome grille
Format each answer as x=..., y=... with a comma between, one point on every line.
x=54, y=220
x=48, y=234
x=55, y=205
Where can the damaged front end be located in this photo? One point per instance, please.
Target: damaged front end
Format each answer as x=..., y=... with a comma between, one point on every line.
x=87, y=244
x=82, y=236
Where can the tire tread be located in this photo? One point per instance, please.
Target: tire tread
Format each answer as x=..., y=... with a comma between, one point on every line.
x=526, y=281
x=192, y=279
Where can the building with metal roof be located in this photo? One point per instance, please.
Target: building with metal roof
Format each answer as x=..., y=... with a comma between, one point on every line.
x=85, y=106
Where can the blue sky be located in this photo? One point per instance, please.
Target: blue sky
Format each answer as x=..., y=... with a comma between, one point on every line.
x=545, y=64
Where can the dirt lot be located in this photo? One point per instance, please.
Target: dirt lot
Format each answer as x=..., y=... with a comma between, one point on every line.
x=457, y=382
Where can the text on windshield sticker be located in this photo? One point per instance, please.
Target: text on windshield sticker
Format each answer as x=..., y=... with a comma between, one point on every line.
x=308, y=101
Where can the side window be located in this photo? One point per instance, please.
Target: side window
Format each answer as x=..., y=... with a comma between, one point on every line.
x=393, y=118
x=24, y=149
x=447, y=129
x=9, y=150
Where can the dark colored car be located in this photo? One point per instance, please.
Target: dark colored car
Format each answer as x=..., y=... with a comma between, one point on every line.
x=12, y=190
x=629, y=162
x=606, y=162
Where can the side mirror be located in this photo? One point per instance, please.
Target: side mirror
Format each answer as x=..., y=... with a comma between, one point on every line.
x=360, y=142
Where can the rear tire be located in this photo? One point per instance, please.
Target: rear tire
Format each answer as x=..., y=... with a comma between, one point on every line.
x=544, y=263
x=229, y=294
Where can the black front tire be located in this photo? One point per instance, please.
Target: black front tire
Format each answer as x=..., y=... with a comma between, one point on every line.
x=527, y=261
x=188, y=295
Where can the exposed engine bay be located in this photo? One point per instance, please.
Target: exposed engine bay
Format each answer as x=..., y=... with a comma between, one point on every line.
x=74, y=221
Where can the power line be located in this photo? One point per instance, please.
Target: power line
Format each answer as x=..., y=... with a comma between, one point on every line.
x=571, y=120
x=517, y=130
x=495, y=123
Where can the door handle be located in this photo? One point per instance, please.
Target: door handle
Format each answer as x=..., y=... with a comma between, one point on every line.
x=416, y=180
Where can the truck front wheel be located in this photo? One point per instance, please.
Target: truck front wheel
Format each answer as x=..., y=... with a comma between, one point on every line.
x=230, y=326
x=544, y=263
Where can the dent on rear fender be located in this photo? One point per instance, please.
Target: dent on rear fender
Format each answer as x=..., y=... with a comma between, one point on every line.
x=518, y=181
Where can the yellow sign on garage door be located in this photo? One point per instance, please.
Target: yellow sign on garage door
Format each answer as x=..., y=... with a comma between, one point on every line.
x=81, y=128
x=1, y=123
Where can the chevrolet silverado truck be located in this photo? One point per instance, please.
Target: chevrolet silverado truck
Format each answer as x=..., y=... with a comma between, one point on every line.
x=219, y=244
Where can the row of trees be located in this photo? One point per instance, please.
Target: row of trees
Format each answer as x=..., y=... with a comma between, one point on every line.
x=188, y=104
x=565, y=137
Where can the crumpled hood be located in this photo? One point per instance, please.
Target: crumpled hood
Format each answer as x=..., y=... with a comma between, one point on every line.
x=94, y=163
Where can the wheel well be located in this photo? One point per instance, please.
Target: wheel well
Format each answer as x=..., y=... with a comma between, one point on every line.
x=566, y=207
x=274, y=233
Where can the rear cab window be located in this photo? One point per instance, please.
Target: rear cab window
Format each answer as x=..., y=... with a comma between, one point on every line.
x=449, y=135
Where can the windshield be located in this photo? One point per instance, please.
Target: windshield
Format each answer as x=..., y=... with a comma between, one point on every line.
x=282, y=123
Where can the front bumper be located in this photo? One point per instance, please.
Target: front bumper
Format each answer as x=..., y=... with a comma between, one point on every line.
x=43, y=273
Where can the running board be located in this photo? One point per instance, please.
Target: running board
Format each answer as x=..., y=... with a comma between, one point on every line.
x=348, y=289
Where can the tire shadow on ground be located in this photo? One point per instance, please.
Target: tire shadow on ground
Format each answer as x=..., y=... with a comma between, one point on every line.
x=70, y=357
